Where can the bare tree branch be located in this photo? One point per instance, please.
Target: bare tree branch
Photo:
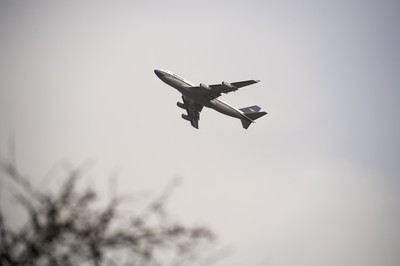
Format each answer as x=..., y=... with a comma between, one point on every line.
x=65, y=228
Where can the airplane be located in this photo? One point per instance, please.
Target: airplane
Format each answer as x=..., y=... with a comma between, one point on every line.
x=196, y=97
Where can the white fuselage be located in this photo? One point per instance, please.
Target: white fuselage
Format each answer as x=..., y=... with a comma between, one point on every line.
x=191, y=91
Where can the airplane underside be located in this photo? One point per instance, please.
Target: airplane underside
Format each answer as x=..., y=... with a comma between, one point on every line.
x=196, y=97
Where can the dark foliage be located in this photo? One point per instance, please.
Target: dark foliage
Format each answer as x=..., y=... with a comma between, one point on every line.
x=69, y=228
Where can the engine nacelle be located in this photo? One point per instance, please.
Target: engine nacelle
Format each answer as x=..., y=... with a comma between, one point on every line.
x=181, y=105
x=204, y=86
x=228, y=86
x=186, y=117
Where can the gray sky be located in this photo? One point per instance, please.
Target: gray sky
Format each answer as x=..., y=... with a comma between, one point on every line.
x=315, y=182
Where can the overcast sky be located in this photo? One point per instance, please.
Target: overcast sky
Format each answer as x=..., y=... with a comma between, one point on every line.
x=315, y=182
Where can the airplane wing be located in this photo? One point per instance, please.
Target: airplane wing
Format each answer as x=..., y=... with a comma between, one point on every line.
x=235, y=85
x=214, y=91
x=193, y=110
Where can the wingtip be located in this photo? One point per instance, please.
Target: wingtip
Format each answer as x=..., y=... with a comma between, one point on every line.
x=257, y=80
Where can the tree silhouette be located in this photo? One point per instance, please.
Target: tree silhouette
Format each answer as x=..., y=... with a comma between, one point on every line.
x=69, y=228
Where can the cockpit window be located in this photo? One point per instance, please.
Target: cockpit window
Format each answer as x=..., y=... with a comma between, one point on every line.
x=178, y=77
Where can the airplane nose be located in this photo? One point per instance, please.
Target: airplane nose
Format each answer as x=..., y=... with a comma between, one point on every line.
x=158, y=73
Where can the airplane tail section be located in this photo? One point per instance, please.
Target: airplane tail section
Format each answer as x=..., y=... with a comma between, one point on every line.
x=250, y=109
x=251, y=113
x=246, y=123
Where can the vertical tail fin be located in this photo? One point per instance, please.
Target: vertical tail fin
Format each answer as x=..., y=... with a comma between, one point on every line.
x=250, y=109
x=251, y=113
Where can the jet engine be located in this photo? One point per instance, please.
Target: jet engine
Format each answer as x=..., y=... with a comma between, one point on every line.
x=228, y=86
x=186, y=117
x=204, y=86
x=181, y=105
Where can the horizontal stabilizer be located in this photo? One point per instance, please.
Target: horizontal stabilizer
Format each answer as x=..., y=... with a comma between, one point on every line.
x=246, y=123
x=254, y=116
